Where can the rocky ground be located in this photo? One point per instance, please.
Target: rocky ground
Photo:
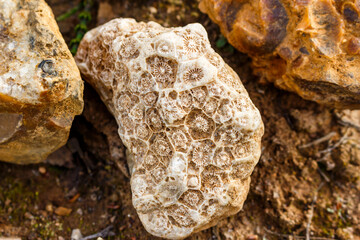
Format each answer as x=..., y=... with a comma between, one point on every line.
x=306, y=185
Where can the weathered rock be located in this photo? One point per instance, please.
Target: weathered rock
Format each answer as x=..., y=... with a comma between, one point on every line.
x=40, y=85
x=191, y=131
x=310, y=47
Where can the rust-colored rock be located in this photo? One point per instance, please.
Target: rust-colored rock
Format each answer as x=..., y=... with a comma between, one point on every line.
x=310, y=47
x=40, y=85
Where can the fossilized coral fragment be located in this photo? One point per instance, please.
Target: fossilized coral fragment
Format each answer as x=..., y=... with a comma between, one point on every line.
x=310, y=47
x=192, y=133
x=40, y=85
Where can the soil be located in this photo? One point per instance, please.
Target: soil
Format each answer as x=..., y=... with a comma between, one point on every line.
x=305, y=186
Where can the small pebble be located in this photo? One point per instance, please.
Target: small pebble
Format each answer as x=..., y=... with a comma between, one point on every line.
x=93, y=197
x=153, y=10
x=76, y=234
x=42, y=170
x=63, y=211
x=252, y=237
x=43, y=213
x=49, y=208
x=114, y=197
x=79, y=211
x=28, y=215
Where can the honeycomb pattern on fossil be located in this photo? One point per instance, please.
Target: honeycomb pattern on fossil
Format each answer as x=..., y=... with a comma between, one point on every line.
x=192, y=133
x=310, y=47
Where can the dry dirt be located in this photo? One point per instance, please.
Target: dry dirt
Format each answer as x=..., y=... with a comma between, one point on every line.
x=306, y=182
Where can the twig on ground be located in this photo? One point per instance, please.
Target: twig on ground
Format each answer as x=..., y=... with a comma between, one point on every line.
x=324, y=139
x=311, y=215
x=107, y=232
x=122, y=168
x=336, y=145
x=295, y=237
x=325, y=153
x=326, y=178
x=319, y=140
x=347, y=123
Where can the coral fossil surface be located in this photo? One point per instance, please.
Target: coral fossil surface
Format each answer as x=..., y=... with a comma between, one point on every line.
x=40, y=85
x=310, y=47
x=191, y=131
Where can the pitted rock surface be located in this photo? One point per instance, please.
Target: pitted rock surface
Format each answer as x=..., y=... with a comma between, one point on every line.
x=40, y=85
x=191, y=131
x=310, y=47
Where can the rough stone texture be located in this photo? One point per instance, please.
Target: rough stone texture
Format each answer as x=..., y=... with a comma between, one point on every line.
x=40, y=85
x=191, y=131
x=310, y=47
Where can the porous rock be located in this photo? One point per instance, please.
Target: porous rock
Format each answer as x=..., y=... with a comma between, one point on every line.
x=40, y=85
x=191, y=131
x=310, y=47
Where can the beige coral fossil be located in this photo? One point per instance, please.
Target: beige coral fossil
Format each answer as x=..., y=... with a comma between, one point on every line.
x=40, y=85
x=191, y=131
x=310, y=47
